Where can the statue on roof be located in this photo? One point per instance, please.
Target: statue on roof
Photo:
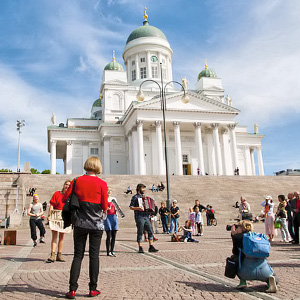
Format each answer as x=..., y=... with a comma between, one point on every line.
x=255, y=128
x=184, y=83
x=53, y=119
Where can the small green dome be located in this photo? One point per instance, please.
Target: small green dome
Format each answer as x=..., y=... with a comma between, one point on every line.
x=207, y=73
x=114, y=66
x=146, y=31
x=98, y=102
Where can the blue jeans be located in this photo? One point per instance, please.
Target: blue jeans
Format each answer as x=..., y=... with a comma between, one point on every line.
x=174, y=221
x=164, y=220
x=143, y=224
x=255, y=269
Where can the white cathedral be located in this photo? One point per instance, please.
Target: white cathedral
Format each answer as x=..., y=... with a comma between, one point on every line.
x=128, y=135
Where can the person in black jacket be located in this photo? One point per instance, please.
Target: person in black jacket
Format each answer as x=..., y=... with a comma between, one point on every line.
x=295, y=205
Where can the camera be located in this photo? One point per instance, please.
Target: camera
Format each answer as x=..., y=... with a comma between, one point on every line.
x=228, y=227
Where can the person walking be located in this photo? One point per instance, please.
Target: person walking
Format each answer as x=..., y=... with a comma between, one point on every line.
x=141, y=216
x=111, y=225
x=57, y=204
x=88, y=221
x=35, y=211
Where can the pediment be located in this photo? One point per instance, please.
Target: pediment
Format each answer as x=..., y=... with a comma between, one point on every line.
x=196, y=103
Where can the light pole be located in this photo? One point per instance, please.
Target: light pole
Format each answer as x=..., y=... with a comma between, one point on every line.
x=20, y=124
x=162, y=88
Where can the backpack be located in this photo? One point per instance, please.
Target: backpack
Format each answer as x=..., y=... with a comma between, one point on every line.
x=256, y=245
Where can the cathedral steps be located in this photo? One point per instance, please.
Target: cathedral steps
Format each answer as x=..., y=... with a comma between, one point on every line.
x=219, y=191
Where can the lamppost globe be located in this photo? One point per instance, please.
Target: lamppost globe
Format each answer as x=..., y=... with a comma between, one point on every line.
x=185, y=99
x=140, y=96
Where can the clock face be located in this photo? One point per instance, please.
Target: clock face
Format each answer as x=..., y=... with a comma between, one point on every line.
x=154, y=58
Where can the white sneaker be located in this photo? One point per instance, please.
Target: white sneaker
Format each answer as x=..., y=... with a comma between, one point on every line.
x=272, y=285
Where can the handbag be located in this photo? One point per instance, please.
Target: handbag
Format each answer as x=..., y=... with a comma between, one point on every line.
x=231, y=268
x=70, y=207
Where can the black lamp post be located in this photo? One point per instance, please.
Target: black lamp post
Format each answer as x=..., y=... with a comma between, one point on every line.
x=162, y=88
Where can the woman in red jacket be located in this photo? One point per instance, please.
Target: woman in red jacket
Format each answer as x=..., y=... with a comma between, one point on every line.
x=88, y=221
x=57, y=204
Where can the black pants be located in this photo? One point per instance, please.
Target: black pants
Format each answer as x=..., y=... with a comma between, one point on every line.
x=80, y=236
x=39, y=223
x=291, y=228
x=296, y=222
x=110, y=240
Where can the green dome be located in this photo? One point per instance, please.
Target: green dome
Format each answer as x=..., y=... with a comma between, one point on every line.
x=98, y=102
x=146, y=31
x=114, y=66
x=207, y=73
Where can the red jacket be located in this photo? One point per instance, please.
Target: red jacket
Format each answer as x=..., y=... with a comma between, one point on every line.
x=92, y=193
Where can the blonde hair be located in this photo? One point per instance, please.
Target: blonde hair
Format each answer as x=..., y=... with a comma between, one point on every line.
x=246, y=226
x=93, y=164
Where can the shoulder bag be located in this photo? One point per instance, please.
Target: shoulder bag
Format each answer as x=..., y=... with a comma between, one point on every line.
x=70, y=207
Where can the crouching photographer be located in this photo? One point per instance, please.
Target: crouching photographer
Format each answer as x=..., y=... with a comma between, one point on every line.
x=249, y=253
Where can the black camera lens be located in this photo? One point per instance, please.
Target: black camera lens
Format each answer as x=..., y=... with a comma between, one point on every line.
x=228, y=227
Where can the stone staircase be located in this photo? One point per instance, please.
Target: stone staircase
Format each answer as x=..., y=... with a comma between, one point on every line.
x=219, y=191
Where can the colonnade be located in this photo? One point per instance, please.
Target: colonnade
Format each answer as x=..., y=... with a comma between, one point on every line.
x=220, y=145
x=217, y=164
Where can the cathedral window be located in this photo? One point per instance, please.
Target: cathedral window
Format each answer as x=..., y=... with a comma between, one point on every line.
x=164, y=73
x=133, y=75
x=94, y=151
x=143, y=59
x=133, y=63
x=154, y=72
x=143, y=73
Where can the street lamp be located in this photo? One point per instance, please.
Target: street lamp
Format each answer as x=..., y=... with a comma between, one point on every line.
x=20, y=124
x=185, y=99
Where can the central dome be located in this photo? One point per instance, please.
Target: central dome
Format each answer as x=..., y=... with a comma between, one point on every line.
x=146, y=31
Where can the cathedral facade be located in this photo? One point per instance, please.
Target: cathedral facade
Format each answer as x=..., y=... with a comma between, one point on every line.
x=127, y=134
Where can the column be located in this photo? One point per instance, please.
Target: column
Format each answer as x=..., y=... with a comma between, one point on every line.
x=128, y=68
x=225, y=151
x=85, y=152
x=178, y=152
x=106, y=154
x=149, y=75
x=130, y=153
x=215, y=128
x=211, y=154
x=233, y=145
x=252, y=161
x=248, y=161
x=53, y=156
x=135, y=152
x=69, y=157
x=141, y=155
x=160, y=161
x=260, y=162
x=137, y=67
x=199, y=147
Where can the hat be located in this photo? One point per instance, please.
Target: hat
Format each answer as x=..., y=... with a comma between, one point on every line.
x=268, y=198
x=174, y=201
x=140, y=185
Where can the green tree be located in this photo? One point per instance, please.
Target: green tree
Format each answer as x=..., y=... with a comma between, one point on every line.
x=46, y=172
x=6, y=170
x=34, y=171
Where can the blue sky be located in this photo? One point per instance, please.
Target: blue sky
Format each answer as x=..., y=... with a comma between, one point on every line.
x=52, y=54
